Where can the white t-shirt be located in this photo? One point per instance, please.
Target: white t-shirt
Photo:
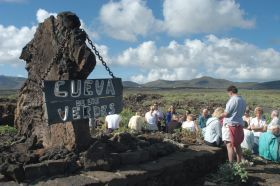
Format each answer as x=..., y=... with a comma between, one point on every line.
x=189, y=125
x=258, y=123
x=274, y=121
x=248, y=141
x=113, y=121
x=248, y=120
x=151, y=118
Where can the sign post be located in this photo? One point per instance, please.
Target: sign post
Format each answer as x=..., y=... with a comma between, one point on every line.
x=68, y=100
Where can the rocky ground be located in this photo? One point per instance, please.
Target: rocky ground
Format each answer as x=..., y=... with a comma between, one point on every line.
x=264, y=172
x=25, y=160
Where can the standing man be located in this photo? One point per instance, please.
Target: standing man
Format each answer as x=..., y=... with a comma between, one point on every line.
x=232, y=131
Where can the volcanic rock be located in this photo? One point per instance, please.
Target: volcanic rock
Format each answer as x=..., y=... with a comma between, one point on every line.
x=57, y=52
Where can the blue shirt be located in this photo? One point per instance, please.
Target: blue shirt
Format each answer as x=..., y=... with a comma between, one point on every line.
x=235, y=108
x=168, y=117
x=202, y=121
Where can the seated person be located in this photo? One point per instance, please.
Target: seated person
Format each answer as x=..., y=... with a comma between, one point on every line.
x=159, y=115
x=151, y=119
x=112, y=122
x=269, y=147
x=136, y=122
x=183, y=117
x=169, y=114
x=258, y=126
x=213, y=129
x=247, y=116
x=274, y=119
x=202, y=119
x=248, y=142
x=190, y=124
x=173, y=124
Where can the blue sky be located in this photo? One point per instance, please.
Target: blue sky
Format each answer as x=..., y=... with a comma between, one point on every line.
x=159, y=39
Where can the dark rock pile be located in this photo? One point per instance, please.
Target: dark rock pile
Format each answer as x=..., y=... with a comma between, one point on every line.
x=25, y=160
x=135, y=102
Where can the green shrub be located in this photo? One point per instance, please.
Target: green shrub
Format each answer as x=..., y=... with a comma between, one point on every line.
x=7, y=130
x=126, y=114
x=230, y=173
x=247, y=154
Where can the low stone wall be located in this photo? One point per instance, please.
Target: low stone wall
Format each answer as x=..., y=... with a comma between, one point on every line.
x=179, y=168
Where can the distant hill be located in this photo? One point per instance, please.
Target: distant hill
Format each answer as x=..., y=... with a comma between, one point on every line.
x=130, y=84
x=9, y=82
x=268, y=85
x=203, y=82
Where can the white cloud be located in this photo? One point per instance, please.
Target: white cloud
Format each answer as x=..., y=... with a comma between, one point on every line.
x=43, y=14
x=12, y=40
x=127, y=19
x=226, y=58
x=183, y=17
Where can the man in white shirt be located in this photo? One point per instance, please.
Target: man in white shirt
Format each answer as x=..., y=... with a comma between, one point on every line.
x=112, y=122
x=159, y=115
x=151, y=119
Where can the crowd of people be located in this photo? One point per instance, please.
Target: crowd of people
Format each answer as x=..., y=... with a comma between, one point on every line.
x=232, y=127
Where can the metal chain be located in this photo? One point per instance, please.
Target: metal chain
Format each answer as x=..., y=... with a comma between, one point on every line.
x=58, y=55
x=100, y=57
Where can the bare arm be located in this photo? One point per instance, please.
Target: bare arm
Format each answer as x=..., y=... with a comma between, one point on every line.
x=225, y=114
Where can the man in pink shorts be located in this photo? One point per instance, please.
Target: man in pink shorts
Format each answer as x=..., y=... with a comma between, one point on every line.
x=232, y=130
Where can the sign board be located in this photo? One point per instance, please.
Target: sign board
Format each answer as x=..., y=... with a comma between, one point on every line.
x=68, y=100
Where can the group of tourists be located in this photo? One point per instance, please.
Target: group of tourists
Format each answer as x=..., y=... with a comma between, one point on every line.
x=233, y=126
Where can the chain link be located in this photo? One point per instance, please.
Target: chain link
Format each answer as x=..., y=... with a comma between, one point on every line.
x=100, y=57
x=57, y=56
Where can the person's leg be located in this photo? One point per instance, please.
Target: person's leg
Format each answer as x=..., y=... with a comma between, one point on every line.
x=230, y=151
x=239, y=156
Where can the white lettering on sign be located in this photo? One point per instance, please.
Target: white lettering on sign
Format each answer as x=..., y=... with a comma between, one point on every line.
x=112, y=107
x=57, y=92
x=85, y=112
x=76, y=87
x=76, y=113
x=110, y=88
x=99, y=87
x=89, y=87
x=63, y=113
